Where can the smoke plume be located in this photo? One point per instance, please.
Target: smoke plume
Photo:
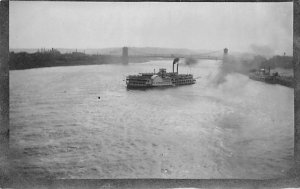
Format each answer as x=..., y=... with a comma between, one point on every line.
x=242, y=64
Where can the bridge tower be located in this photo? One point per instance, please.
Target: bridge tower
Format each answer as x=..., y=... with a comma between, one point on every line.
x=125, y=58
x=225, y=55
x=225, y=51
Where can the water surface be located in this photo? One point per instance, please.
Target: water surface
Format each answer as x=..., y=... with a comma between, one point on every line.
x=60, y=128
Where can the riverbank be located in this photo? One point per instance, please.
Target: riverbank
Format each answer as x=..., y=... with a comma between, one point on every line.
x=53, y=58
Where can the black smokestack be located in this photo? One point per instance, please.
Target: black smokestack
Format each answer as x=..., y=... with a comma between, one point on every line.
x=174, y=62
x=177, y=68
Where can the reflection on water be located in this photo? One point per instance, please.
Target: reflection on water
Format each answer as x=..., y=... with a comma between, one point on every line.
x=60, y=128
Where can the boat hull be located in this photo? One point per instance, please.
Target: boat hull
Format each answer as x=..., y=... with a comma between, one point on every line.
x=281, y=80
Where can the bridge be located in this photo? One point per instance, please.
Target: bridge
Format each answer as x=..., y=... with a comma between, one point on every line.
x=139, y=53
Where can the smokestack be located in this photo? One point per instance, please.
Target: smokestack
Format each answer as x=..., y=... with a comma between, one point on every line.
x=174, y=62
x=177, y=68
x=173, y=67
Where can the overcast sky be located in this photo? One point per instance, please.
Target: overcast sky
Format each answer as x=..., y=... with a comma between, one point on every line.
x=213, y=26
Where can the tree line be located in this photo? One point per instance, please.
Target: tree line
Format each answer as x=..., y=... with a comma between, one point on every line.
x=24, y=60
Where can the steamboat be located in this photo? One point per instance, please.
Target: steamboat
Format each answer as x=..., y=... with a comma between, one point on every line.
x=274, y=78
x=160, y=79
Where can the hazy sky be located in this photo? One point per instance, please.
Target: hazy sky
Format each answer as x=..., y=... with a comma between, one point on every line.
x=238, y=26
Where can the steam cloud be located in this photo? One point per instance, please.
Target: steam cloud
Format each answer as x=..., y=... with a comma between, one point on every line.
x=242, y=64
x=190, y=61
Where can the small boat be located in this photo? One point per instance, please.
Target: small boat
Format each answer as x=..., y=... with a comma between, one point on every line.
x=275, y=78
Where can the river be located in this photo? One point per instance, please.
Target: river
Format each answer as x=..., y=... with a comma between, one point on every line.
x=59, y=128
